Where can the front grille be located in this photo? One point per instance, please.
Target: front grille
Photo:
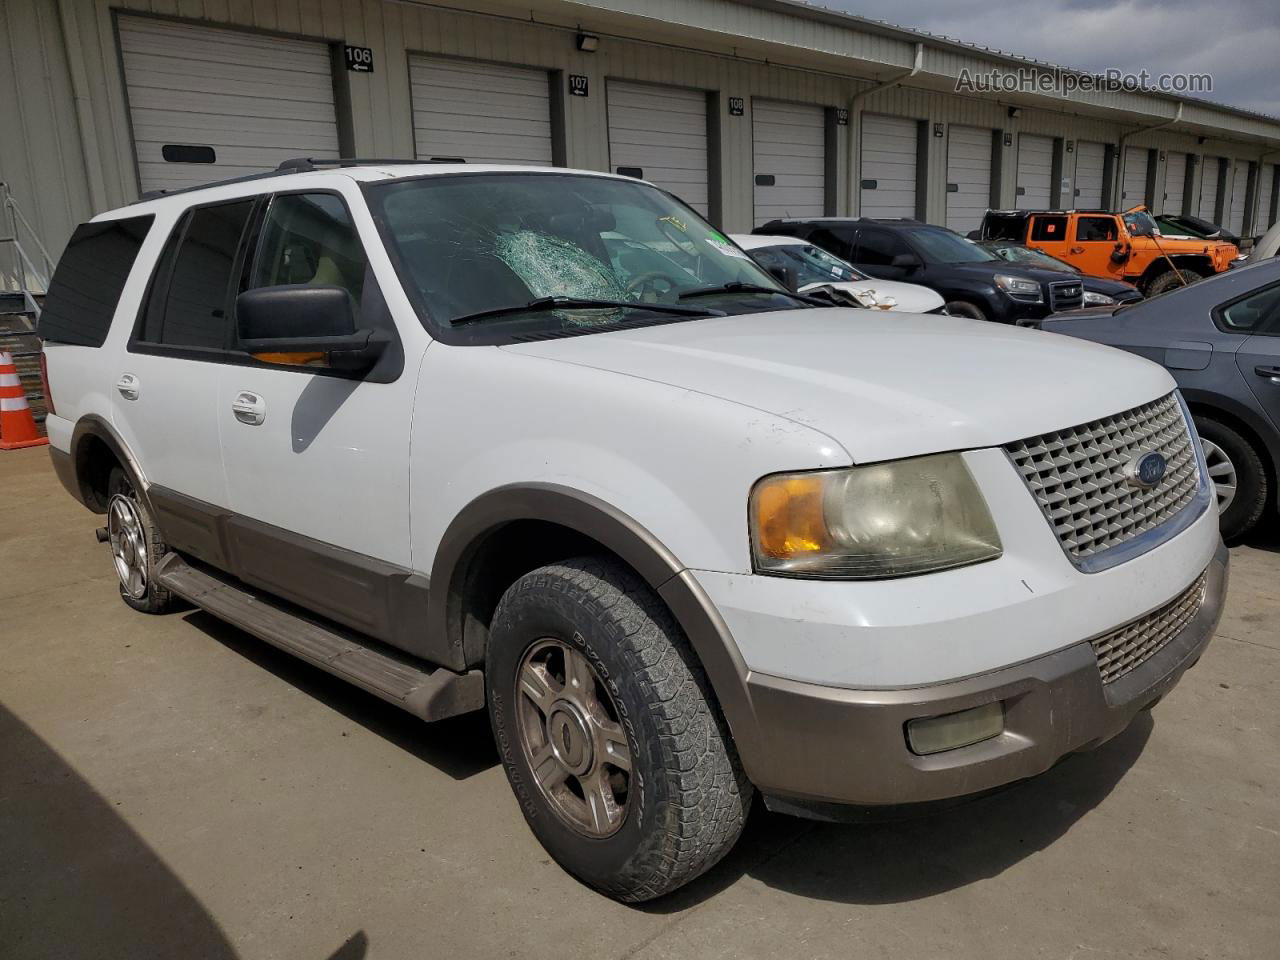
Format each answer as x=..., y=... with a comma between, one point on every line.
x=1078, y=476
x=1068, y=295
x=1121, y=650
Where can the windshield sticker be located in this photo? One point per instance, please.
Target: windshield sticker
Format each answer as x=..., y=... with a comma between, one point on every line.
x=726, y=248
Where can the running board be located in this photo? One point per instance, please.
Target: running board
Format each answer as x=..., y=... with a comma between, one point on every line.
x=429, y=693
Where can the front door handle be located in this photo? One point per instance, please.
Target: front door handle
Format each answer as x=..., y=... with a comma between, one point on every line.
x=249, y=408
x=1077, y=250
x=128, y=386
x=1271, y=373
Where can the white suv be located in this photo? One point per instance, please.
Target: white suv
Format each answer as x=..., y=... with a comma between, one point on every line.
x=544, y=442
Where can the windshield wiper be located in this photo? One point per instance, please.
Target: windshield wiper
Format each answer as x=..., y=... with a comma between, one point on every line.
x=737, y=286
x=543, y=304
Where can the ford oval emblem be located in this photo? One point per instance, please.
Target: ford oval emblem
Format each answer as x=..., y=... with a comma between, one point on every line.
x=1146, y=470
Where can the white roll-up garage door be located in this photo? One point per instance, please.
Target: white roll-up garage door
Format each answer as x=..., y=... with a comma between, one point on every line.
x=1134, y=189
x=1209, y=189
x=889, y=148
x=1266, y=190
x=1035, y=171
x=660, y=134
x=968, y=177
x=1175, y=182
x=788, y=147
x=480, y=112
x=1239, y=186
x=1090, y=162
x=236, y=103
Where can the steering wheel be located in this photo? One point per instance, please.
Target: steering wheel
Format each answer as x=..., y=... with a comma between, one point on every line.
x=643, y=287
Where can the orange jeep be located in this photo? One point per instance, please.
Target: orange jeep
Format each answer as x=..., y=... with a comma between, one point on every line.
x=1124, y=246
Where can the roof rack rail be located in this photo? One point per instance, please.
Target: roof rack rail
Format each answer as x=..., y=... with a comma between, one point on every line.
x=292, y=165
x=305, y=164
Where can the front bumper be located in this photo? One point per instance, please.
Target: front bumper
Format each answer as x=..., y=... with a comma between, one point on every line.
x=817, y=745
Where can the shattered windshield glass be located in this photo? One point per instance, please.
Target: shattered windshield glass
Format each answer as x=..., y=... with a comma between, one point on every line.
x=472, y=245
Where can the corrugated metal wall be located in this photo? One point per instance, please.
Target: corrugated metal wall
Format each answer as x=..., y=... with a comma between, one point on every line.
x=67, y=158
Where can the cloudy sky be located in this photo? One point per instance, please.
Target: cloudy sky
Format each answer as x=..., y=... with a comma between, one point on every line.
x=1236, y=41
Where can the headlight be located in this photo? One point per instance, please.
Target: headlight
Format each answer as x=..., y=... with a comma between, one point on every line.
x=1092, y=299
x=1018, y=287
x=890, y=519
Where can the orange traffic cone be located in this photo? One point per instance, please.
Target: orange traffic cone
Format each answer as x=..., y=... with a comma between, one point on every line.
x=17, y=427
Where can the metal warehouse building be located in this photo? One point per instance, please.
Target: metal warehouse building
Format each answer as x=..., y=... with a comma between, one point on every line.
x=748, y=109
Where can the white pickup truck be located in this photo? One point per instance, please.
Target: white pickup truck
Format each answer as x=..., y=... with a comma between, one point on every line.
x=545, y=443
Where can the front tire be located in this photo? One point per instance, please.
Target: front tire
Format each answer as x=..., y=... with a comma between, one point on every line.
x=1239, y=478
x=1182, y=277
x=609, y=733
x=136, y=546
x=962, y=308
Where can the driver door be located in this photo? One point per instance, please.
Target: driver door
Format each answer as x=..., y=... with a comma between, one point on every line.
x=1093, y=244
x=317, y=462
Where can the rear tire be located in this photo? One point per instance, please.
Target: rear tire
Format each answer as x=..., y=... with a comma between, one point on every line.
x=591, y=682
x=962, y=308
x=1171, y=279
x=136, y=546
x=1235, y=464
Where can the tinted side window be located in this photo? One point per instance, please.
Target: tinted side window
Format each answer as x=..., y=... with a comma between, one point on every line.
x=308, y=239
x=90, y=276
x=193, y=286
x=1049, y=229
x=1258, y=313
x=877, y=248
x=837, y=240
x=1096, y=229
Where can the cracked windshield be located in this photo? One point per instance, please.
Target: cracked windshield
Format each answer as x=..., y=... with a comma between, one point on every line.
x=546, y=253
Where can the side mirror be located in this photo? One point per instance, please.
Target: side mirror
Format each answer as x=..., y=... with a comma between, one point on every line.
x=306, y=326
x=786, y=276
x=905, y=261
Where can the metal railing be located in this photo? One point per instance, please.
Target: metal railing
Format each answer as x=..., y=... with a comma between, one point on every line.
x=30, y=276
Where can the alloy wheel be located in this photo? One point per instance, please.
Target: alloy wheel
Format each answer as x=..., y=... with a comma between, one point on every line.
x=1222, y=472
x=572, y=738
x=128, y=545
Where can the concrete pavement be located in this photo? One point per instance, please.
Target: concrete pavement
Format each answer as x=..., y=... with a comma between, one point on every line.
x=171, y=787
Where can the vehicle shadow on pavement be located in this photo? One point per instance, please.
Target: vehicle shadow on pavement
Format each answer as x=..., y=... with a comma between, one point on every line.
x=908, y=859
x=75, y=879
x=460, y=746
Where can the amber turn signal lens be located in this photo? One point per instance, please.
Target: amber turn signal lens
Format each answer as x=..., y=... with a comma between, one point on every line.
x=788, y=515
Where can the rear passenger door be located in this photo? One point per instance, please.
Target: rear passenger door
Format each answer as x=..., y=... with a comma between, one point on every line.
x=317, y=461
x=876, y=249
x=164, y=396
x=1049, y=233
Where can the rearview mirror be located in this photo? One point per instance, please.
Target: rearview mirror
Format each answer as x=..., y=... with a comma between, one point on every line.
x=306, y=326
x=785, y=276
x=907, y=261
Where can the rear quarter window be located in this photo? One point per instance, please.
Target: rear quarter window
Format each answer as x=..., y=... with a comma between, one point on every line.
x=86, y=286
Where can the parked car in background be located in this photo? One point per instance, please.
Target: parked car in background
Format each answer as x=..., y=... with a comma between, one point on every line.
x=814, y=267
x=972, y=282
x=1268, y=245
x=1118, y=246
x=1098, y=291
x=1185, y=225
x=544, y=443
x=1221, y=341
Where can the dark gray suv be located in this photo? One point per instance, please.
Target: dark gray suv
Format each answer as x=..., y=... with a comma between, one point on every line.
x=1220, y=338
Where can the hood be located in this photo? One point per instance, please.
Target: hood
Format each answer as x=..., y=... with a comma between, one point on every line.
x=1112, y=288
x=883, y=385
x=990, y=269
x=910, y=297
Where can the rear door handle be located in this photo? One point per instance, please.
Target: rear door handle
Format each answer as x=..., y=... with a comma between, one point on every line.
x=1271, y=373
x=249, y=408
x=128, y=386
